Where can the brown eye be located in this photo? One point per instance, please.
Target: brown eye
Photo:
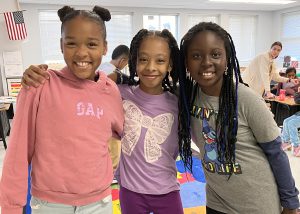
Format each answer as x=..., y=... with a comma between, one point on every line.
x=92, y=45
x=196, y=56
x=70, y=44
x=216, y=55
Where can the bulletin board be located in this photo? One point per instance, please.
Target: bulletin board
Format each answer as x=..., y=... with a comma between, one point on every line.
x=13, y=86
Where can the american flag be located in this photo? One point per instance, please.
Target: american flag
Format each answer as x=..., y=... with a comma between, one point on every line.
x=15, y=25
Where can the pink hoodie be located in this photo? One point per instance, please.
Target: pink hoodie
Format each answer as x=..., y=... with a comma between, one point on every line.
x=62, y=129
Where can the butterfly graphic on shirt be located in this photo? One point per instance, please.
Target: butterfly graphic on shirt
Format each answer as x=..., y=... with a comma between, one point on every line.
x=158, y=130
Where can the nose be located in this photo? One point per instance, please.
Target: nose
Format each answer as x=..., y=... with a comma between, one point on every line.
x=206, y=60
x=151, y=66
x=81, y=51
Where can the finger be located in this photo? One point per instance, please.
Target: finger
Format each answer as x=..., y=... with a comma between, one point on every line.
x=29, y=81
x=35, y=74
x=44, y=67
x=23, y=83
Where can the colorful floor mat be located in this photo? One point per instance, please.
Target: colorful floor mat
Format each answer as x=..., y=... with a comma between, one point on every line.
x=192, y=189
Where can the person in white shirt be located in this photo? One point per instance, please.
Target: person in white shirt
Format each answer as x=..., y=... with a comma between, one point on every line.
x=262, y=70
x=119, y=60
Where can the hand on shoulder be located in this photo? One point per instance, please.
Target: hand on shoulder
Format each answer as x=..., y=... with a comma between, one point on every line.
x=35, y=75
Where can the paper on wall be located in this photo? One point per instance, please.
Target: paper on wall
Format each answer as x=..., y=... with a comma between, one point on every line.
x=13, y=66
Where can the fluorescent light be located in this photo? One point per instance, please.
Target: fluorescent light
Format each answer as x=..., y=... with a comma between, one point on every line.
x=256, y=1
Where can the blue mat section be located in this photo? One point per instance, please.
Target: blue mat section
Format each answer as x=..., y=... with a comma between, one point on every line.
x=28, y=208
x=198, y=173
x=193, y=194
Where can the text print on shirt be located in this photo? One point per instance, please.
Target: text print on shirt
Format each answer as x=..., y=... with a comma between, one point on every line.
x=210, y=159
x=88, y=110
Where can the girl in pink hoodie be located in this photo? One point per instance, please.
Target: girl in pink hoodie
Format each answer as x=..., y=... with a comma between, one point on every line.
x=63, y=127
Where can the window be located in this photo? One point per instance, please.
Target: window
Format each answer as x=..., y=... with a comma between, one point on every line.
x=290, y=35
x=160, y=22
x=195, y=19
x=50, y=36
x=243, y=31
x=119, y=31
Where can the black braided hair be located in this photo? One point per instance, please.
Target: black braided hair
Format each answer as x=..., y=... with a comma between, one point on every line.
x=227, y=119
x=99, y=15
x=174, y=57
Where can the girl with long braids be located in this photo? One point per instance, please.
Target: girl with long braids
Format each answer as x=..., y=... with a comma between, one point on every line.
x=147, y=171
x=246, y=169
x=62, y=128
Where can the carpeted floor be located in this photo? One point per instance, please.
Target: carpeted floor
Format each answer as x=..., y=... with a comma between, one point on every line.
x=192, y=189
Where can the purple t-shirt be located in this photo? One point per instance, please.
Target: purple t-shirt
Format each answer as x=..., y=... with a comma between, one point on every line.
x=149, y=143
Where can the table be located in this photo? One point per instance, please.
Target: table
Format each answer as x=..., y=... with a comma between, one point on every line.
x=289, y=100
x=283, y=108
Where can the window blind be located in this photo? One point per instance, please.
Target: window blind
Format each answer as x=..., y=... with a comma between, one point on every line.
x=119, y=31
x=290, y=35
x=195, y=19
x=243, y=30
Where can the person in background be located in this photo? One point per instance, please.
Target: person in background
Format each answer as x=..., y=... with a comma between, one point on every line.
x=147, y=170
x=290, y=133
x=262, y=69
x=289, y=87
x=245, y=168
x=119, y=59
x=62, y=128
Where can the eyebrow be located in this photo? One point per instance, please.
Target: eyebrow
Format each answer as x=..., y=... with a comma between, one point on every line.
x=90, y=38
x=144, y=53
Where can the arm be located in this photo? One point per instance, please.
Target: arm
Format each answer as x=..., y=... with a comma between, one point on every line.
x=113, y=76
x=265, y=130
x=118, y=119
x=13, y=185
x=35, y=76
x=276, y=76
x=282, y=172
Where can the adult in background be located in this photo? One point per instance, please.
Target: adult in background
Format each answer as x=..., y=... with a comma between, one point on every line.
x=262, y=70
x=119, y=59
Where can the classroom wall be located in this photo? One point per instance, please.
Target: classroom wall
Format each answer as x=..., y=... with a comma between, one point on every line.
x=265, y=35
x=5, y=43
x=31, y=48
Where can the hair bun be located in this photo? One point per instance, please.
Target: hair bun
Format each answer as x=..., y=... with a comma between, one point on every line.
x=62, y=12
x=102, y=12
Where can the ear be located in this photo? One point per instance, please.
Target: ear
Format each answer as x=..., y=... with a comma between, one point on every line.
x=61, y=45
x=169, y=68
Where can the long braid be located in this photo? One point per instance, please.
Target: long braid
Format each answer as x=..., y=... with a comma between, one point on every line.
x=184, y=115
x=174, y=57
x=227, y=122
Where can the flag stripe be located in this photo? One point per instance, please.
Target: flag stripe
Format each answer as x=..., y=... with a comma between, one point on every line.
x=15, y=25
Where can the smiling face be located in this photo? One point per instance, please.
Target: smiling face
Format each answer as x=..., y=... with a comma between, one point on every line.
x=206, y=61
x=83, y=46
x=275, y=51
x=153, y=63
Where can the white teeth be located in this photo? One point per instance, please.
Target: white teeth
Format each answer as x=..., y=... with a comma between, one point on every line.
x=82, y=64
x=207, y=74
